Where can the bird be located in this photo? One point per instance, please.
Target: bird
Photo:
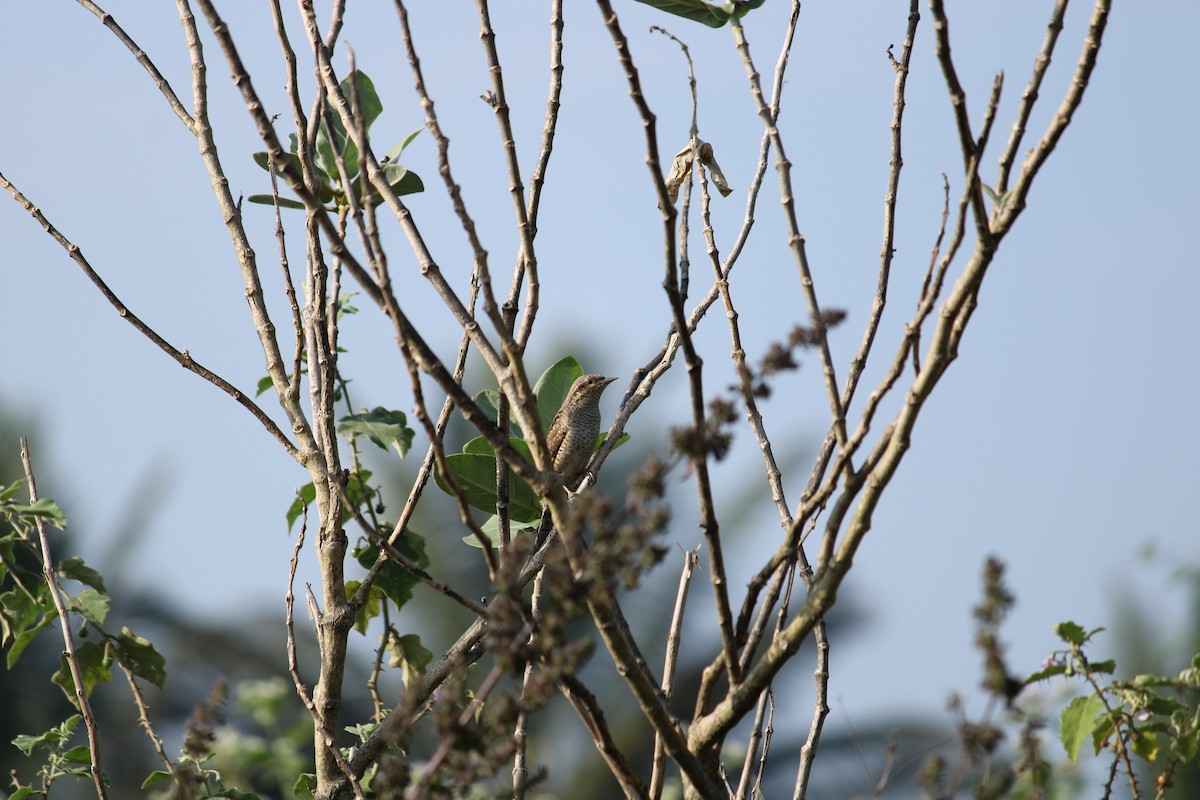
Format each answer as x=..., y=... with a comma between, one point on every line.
x=575, y=428
x=572, y=437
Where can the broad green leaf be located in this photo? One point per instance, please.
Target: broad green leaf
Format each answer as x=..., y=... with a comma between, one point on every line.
x=491, y=529
x=307, y=494
x=80, y=754
x=141, y=657
x=383, y=427
x=403, y=181
x=480, y=446
x=358, y=490
x=75, y=569
x=44, y=509
x=369, y=609
x=551, y=389
x=158, y=776
x=1070, y=633
x=91, y=605
x=10, y=491
x=291, y=172
x=410, y=655
x=1146, y=744
x=1078, y=723
x=264, y=383
x=713, y=16
x=235, y=794
x=305, y=785
x=22, y=639
x=475, y=474
x=489, y=403
x=365, y=102
x=396, y=581
x=93, y=663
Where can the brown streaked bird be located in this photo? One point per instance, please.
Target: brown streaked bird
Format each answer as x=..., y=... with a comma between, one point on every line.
x=572, y=438
x=575, y=428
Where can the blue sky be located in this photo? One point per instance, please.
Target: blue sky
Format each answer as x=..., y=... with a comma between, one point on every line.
x=1063, y=440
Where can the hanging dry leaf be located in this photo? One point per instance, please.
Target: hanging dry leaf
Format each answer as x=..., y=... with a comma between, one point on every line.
x=714, y=170
x=680, y=168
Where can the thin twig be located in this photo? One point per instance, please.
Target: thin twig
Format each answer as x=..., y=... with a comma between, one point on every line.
x=108, y=21
x=591, y=713
x=64, y=618
x=670, y=660
x=1029, y=97
x=182, y=357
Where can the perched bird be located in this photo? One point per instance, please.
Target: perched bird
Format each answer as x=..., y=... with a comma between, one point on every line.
x=575, y=428
x=572, y=436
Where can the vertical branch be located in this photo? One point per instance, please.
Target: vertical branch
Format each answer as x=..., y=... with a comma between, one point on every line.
x=795, y=238
x=670, y=659
x=64, y=618
x=498, y=100
x=1029, y=96
x=537, y=180
x=694, y=363
x=276, y=366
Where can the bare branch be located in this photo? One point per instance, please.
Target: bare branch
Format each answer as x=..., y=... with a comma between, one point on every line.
x=64, y=618
x=182, y=357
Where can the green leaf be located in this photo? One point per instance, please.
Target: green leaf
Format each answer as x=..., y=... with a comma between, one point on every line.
x=158, y=776
x=78, y=755
x=370, y=609
x=393, y=155
x=264, y=383
x=362, y=99
x=475, y=474
x=1052, y=671
x=23, y=638
x=383, y=427
x=307, y=494
x=396, y=581
x=141, y=657
x=9, y=492
x=700, y=11
x=91, y=605
x=489, y=403
x=403, y=181
x=75, y=569
x=410, y=655
x=551, y=389
x=305, y=785
x=1078, y=723
x=94, y=665
x=491, y=529
x=1146, y=744
x=1070, y=633
x=52, y=739
x=284, y=202
x=291, y=172
x=44, y=509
